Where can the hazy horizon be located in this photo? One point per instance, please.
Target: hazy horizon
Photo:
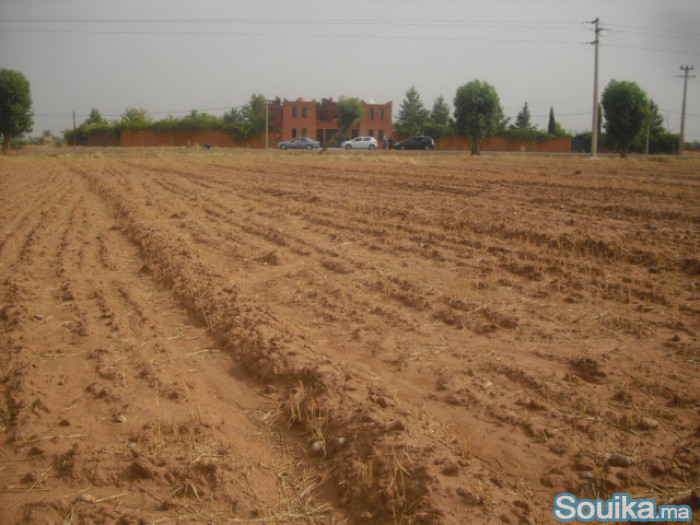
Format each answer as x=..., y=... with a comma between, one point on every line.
x=171, y=57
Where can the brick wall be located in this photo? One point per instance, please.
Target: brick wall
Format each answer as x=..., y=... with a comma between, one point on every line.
x=222, y=139
x=215, y=138
x=505, y=144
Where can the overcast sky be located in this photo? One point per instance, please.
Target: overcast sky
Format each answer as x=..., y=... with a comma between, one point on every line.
x=172, y=56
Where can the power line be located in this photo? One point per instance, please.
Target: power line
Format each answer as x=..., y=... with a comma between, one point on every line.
x=296, y=35
x=324, y=21
x=678, y=112
x=655, y=50
x=440, y=23
x=493, y=24
x=485, y=24
x=655, y=31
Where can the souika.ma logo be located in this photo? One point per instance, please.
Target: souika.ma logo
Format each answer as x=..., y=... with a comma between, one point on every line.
x=621, y=507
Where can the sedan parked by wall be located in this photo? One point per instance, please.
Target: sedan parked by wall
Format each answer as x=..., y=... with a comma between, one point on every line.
x=299, y=143
x=418, y=142
x=369, y=143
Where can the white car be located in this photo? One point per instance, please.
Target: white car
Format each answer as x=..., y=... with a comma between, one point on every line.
x=369, y=143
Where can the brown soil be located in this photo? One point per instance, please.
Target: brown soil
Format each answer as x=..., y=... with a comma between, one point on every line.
x=200, y=337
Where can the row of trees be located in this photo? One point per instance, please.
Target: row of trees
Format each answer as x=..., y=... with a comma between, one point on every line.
x=632, y=120
x=478, y=114
x=243, y=123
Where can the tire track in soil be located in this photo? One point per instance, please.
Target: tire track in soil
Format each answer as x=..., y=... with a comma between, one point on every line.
x=115, y=405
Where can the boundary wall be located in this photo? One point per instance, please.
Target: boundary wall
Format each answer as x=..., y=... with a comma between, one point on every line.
x=222, y=139
x=499, y=143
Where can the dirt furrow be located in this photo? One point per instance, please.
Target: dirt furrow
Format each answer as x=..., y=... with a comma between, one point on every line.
x=264, y=342
x=443, y=339
x=131, y=429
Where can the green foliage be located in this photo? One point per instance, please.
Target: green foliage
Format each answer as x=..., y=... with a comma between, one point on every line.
x=554, y=128
x=522, y=121
x=692, y=146
x=581, y=142
x=664, y=143
x=438, y=131
x=254, y=115
x=655, y=120
x=20, y=143
x=552, y=124
x=440, y=115
x=626, y=109
x=134, y=119
x=195, y=121
x=413, y=115
x=15, y=106
x=94, y=124
x=248, y=121
x=242, y=123
x=235, y=116
x=478, y=111
x=349, y=111
x=660, y=140
x=526, y=134
x=95, y=118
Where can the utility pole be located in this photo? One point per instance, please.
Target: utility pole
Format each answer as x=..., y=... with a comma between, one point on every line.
x=685, y=77
x=75, y=137
x=267, y=120
x=646, y=151
x=594, y=128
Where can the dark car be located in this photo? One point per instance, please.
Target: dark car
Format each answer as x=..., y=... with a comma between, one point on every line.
x=417, y=142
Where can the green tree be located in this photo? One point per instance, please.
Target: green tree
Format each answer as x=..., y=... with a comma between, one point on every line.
x=349, y=112
x=195, y=121
x=235, y=123
x=554, y=128
x=94, y=119
x=439, y=123
x=134, y=118
x=552, y=125
x=441, y=112
x=254, y=115
x=626, y=109
x=522, y=121
x=15, y=106
x=413, y=115
x=235, y=116
x=478, y=112
x=660, y=140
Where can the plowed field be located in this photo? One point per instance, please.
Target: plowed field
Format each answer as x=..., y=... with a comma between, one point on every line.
x=208, y=337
